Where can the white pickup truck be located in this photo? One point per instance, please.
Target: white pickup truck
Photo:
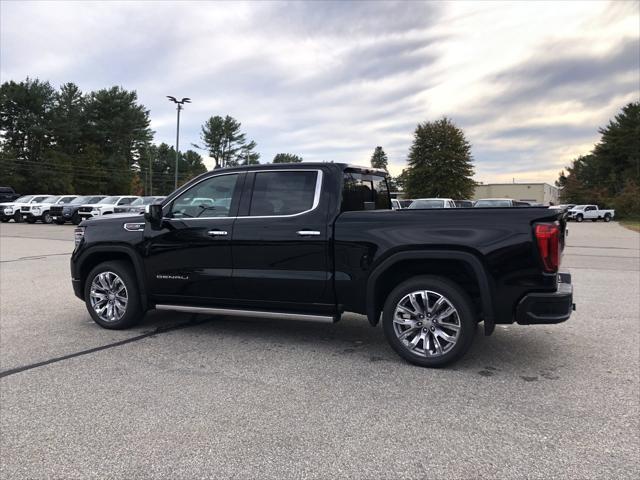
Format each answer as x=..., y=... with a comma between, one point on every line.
x=590, y=212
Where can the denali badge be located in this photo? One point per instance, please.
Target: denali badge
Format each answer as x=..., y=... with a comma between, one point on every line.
x=172, y=277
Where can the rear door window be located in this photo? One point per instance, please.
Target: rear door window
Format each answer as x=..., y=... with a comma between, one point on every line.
x=283, y=193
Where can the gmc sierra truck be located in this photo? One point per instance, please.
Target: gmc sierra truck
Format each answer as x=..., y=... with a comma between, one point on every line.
x=310, y=241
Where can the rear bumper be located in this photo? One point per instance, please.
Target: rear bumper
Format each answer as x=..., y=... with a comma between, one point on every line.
x=547, y=307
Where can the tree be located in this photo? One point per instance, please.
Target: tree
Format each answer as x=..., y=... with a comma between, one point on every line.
x=379, y=160
x=26, y=111
x=162, y=158
x=224, y=141
x=610, y=173
x=119, y=127
x=286, y=158
x=248, y=155
x=440, y=162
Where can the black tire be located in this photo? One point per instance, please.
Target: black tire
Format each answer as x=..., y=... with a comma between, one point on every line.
x=133, y=310
x=47, y=218
x=31, y=220
x=579, y=218
x=607, y=218
x=4, y=219
x=458, y=299
x=594, y=219
x=59, y=222
x=76, y=219
x=17, y=217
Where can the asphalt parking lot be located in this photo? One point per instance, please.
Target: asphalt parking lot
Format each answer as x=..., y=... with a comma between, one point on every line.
x=238, y=398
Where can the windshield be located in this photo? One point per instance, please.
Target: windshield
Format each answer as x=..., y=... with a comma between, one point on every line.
x=108, y=201
x=42, y=199
x=427, y=204
x=493, y=203
x=24, y=199
x=579, y=207
x=80, y=200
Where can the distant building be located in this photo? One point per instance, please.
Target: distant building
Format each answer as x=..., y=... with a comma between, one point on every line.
x=528, y=192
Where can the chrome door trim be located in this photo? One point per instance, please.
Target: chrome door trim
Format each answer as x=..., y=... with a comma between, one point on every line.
x=232, y=312
x=217, y=233
x=308, y=233
x=316, y=195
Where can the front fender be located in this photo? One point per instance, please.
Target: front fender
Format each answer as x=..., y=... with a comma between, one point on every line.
x=80, y=258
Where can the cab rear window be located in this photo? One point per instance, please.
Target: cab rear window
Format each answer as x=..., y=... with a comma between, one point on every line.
x=363, y=191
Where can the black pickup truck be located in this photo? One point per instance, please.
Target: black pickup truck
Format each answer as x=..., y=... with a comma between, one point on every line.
x=310, y=241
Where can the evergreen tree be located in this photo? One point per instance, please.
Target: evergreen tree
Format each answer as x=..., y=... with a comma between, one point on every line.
x=119, y=127
x=379, y=160
x=26, y=112
x=224, y=141
x=610, y=174
x=248, y=155
x=286, y=158
x=440, y=162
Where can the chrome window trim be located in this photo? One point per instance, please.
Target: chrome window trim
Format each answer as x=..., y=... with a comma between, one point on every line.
x=316, y=195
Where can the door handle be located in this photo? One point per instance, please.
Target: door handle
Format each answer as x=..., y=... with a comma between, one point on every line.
x=308, y=233
x=217, y=233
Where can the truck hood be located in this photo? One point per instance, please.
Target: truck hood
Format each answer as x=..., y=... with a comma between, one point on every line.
x=114, y=218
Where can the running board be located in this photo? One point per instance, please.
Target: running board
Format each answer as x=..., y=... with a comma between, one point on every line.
x=250, y=313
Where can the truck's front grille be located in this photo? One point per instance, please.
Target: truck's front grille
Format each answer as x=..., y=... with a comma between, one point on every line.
x=56, y=210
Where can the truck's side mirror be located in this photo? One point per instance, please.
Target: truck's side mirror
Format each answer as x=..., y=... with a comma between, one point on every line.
x=153, y=214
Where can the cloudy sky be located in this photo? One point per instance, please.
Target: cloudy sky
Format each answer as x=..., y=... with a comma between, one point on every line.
x=530, y=83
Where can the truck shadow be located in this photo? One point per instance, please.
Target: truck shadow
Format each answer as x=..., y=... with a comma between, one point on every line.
x=510, y=348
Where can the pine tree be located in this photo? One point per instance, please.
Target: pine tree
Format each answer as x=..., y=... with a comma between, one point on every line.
x=287, y=158
x=440, y=162
x=379, y=160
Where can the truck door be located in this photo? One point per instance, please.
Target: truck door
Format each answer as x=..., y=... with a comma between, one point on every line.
x=280, y=238
x=590, y=212
x=189, y=259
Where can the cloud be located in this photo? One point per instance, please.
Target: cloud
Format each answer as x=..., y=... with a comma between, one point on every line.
x=529, y=83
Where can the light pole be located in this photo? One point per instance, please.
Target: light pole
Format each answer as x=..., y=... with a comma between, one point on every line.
x=179, y=104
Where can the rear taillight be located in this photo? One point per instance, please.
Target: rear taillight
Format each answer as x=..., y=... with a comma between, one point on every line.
x=548, y=238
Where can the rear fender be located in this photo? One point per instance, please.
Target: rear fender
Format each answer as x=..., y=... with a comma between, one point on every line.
x=484, y=282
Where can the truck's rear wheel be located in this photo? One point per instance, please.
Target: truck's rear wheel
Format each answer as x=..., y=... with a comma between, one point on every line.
x=111, y=295
x=429, y=321
x=607, y=218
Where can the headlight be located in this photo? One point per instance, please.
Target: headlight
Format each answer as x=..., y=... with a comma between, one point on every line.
x=78, y=235
x=35, y=210
x=8, y=211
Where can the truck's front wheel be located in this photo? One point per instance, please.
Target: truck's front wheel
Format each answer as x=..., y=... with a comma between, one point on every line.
x=579, y=218
x=429, y=321
x=111, y=295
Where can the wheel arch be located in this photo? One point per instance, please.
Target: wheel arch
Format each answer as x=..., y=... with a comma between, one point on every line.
x=97, y=255
x=452, y=264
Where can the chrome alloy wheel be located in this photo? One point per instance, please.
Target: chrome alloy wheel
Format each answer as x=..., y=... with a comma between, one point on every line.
x=426, y=323
x=108, y=296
